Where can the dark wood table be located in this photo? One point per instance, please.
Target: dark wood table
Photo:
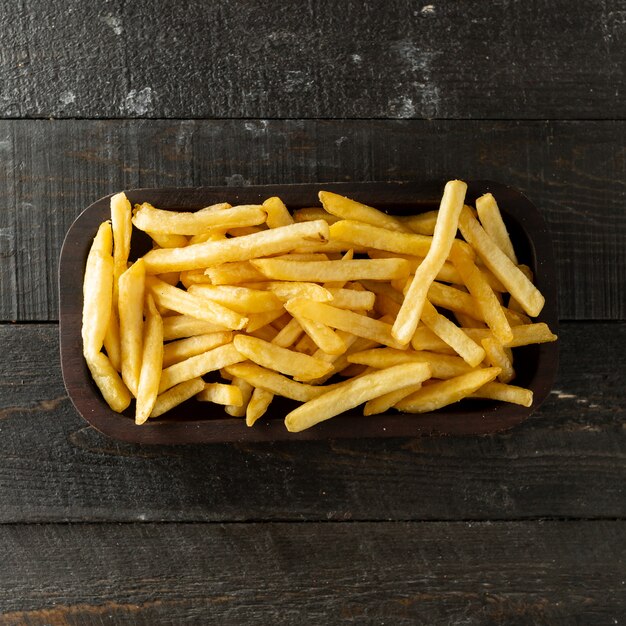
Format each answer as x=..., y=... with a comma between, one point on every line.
x=522, y=527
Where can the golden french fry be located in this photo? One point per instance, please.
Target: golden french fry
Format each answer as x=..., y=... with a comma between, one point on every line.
x=241, y=299
x=288, y=290
x=274, y=382
x=157, y=221
x=289, y=334
x=151, y=363
x=357, y=300
x=353, y=210
x=320, y=271
x=193, y=277
x=108, y=381
x=447, y=392
x=199, y=365
x=453, y=299
x=259, y=401
x=122, y=229
x=441, y=365
x=246, y=389
x=164, y=240
x=349, y=321
x=167, y=400
x=514, y=305
x=314, y=213
x=283, y=360
x=234, y=273
x=523, y=335
x=422, y=224
x=215, y=234
x=443, y=238
x=425, y=339
x=491, y=220
x=179, y=326
x=277, y=213
x=97, y=300
x=324, y=337
x=454, y=336
x=131, y=305
x=511, y=277
x=273, y=241
x=218, y=393
x=351, y=393
x=497, y=357
x=383, y=403
x=505, y=393
x=178, y=351
x=189, y=304
x=484, y=296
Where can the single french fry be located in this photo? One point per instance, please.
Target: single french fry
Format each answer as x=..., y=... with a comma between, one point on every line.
x=454, y=336
x=320, y=271
x=484, y=296
x=314, y=213
x=97, y=301
x=491, y=220
x=329, y=248
x=182, y=392
x=425, y=339
x=241, y=299
x=288, y=290
x=422, y=223
x=497, y=357
x=505, y=393
x=523, y=335
x=151, y=363
x=353, y=210
x=440, y=394
x=122, y=229
x=199, y=365
x=179, y=326
x=272, y=241
x=453, y=299
x=277, y=213
x=259, y=320
x=441, y=365
x=156, y=221
x=112, y=340
x=349, y=321
x=302, y=256
x=178, y=351
x=246, y=390
x=301, y=366
x=189, y=304
x=353, y=392
x=324, y=337
x=352, y=299
x=514, y=305
x=274, y=382
x=165, y=240
x=259, y=401
x=289, y=334
x=443, y=238
x=383, y=403
x=511, y=277
x=219, y=393
x=131, y=306
x=234, y=273
x=113, y=390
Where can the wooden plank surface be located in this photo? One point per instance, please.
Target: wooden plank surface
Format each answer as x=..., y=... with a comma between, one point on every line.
x=573, y=171
x=381, y=59
x=403, y=573
x=567, y=461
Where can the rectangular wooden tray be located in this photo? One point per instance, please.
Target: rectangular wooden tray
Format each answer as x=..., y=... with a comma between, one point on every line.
x=195, y=422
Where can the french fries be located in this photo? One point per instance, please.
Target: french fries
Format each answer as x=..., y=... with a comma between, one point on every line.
x=235, y=305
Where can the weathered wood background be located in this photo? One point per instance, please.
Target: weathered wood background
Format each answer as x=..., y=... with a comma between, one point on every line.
x=522, y=527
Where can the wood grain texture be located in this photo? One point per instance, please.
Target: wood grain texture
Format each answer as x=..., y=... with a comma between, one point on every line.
x=573, y=171
x=566, y=461
x=380, y=59
x=403, y=573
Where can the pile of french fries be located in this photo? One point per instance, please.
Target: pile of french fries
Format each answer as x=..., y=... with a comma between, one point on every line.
x=400, y=311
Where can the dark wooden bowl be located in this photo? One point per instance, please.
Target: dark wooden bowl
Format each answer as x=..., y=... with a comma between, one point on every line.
x=195, y=422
